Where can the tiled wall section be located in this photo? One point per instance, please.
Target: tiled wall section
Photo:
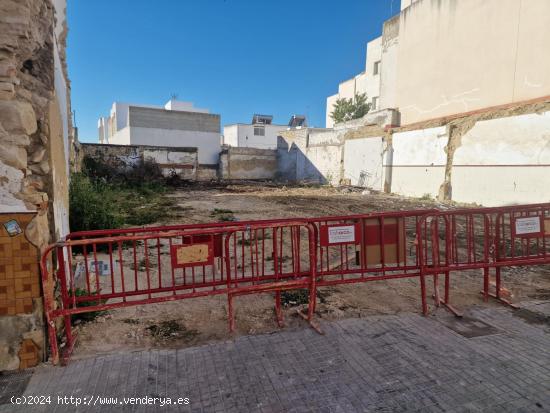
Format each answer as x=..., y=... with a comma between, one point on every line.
x=19, y=274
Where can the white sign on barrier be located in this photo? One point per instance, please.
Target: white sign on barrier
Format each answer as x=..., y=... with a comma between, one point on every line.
x=337, y=235
x=528, y=225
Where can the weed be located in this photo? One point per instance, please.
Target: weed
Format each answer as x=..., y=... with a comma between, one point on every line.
x=171, y=329
x=92, y=315
x=300, y=296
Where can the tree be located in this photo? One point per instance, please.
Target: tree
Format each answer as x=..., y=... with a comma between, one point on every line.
x=348, y=109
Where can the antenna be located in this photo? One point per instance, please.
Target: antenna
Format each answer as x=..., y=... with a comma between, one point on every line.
x=174, y=96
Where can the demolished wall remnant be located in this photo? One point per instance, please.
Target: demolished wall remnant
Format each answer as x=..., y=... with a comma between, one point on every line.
x=248, y=163
x=35, y=136
x=172, y=160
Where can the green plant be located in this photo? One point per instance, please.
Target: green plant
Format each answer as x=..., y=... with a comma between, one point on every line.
x=92, y=205
x=426, y=197
x=92, y=315
x=348, y=109
x=223, y=214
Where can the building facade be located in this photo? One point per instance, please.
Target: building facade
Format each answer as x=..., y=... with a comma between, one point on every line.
x=261, y=133
x=177, y=124
x=442, y=58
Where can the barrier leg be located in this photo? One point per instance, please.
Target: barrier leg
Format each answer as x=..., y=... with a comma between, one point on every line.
x=445, y=302
x=52, y=334
x=423, y=294
x=485, y=291
x=278, y=310
x=230, y=313
x=497, y=294
x=437, y=299
x=447, y=286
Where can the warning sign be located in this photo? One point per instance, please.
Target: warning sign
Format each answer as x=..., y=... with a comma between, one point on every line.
x=528, y=227
x=340, y=234
x=337, y=235
x=192, y=255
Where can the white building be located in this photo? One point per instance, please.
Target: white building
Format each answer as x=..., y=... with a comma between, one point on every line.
x=260, y=133
x=177, y=124
x=367, y=81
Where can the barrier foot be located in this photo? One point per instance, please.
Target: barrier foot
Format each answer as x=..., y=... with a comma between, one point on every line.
x=230, y=315
x=448, y=306
x=278, y=310
x=311, y=323
x=68, y=351
x=502, y=300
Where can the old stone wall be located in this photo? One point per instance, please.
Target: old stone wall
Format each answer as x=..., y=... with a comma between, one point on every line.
x=181, y=161
x=248, y=163
x=35, y=137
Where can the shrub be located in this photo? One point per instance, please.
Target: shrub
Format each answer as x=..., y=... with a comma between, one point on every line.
x=92, y=205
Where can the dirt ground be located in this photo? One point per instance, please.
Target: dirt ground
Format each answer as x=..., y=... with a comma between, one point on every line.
x=200, y=320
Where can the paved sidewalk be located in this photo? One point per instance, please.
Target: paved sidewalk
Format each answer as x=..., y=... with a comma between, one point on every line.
x=380, y=364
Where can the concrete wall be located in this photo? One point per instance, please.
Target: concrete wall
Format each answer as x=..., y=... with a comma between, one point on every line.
x=372, y=81
x=248, y=163
x=504, y=161
x=389, y=59
x=331, y=101
x=418, y=162
x=363, y=162
x=207, y=143
x=231, y=135
x=242, y=135
x=459, y=56
x=182, y=161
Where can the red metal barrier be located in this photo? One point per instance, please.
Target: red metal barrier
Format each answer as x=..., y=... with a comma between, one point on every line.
x=106, y=269
x=98, y=274
x=485, y=239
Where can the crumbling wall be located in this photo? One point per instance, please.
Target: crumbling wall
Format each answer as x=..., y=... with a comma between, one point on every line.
x=181, y=161
x=363, y=162
x=248, y=163
x=35, y=136
x=418, y=163
x=503, y=161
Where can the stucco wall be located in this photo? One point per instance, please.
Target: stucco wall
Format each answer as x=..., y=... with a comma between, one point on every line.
x=242, y=135
x=248, y=163
x=331, y=100
x=504, y=161
x=182, y=161
x=363, y=162
x=458, y=56
x=418, y=163
x=231, y=135
x=207, y=143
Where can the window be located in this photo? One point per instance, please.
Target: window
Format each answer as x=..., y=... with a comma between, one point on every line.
x=259, y=131
x=374, y=104
x=376, y=69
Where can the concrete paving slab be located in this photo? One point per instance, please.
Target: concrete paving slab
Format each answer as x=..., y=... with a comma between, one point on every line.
x=401, y=363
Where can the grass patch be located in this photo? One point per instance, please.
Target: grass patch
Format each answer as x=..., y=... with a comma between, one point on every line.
x=223, y=215
x=104, y=197
x=292, y=298
x=171, y=329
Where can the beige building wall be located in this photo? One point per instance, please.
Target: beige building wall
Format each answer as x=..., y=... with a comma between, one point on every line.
x=459, y=56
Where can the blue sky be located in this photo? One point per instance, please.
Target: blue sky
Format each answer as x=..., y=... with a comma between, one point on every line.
x=234, y=57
